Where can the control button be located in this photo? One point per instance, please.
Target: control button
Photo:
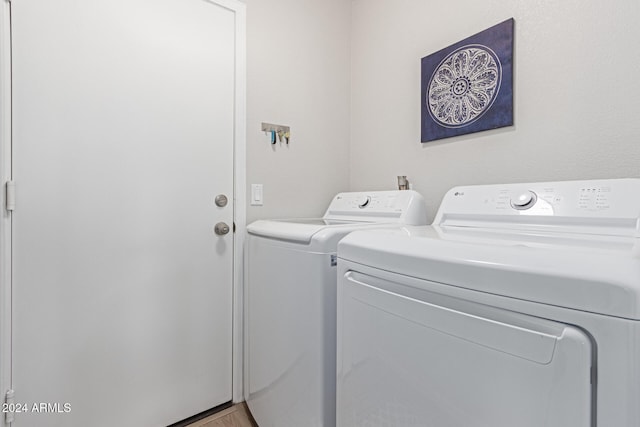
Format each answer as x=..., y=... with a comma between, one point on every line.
x=364, y=202
x=524, y=200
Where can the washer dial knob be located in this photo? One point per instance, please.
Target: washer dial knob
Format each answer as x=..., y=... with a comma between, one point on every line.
x=362, y=203
x=524, y=200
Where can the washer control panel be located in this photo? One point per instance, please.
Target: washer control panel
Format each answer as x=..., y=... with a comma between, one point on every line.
x=375, y=206
x=374, y=201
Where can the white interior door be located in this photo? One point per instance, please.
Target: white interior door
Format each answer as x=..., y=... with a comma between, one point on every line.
x=123, y=119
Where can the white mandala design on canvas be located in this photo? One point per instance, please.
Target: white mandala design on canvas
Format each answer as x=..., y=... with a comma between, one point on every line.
x=464, y=86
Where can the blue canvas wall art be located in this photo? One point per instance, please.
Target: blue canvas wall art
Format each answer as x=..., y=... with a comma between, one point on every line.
x=468, y=87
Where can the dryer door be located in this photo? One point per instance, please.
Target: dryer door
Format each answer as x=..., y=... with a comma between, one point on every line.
x=410, y=357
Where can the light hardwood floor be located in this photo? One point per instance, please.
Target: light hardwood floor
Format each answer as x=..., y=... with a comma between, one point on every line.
x=236, y=416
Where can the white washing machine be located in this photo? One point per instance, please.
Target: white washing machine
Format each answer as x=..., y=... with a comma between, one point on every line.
x=520, y=307
x=290, y=302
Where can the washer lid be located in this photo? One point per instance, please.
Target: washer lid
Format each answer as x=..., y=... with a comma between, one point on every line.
x=296, y=230
x=302, y=230
x=589, y=273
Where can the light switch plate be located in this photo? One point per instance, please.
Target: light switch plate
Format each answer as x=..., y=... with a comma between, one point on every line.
x=256, y=195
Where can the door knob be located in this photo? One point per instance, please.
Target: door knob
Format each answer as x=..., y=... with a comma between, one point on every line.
x=221, y=229
x=221, y=200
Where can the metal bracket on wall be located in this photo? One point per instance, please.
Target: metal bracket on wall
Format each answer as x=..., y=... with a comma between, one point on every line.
x=283, y=132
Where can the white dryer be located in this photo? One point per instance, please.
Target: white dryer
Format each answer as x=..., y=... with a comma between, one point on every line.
x=520, y=307
x=290, y=298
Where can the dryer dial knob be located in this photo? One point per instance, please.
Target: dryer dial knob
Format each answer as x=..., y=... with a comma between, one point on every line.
x=364, y=202
x=523, y=200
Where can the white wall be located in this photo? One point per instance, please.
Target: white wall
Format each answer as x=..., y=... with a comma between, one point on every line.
x=576, y=93
x=298, y=60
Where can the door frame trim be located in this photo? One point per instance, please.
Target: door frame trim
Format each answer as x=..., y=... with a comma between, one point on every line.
x=5, y=217
x=239, y=190
x=239, y=201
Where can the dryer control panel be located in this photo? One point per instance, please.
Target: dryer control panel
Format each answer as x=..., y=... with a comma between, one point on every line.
x=612, y=205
